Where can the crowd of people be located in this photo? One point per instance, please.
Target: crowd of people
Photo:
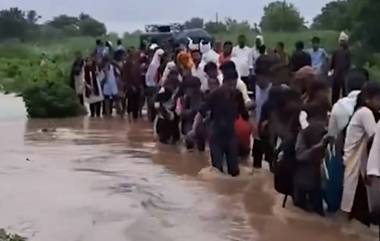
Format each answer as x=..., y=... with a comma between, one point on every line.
x=310, y=115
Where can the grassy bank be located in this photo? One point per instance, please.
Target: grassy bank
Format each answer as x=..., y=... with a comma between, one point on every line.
x=20, y=62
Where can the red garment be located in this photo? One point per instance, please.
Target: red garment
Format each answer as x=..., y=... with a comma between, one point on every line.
x=243, y=131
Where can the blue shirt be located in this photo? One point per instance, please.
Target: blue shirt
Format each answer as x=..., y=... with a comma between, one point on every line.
x=318, y=59
x=110, y=85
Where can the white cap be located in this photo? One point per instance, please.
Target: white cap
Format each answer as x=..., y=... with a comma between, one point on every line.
x=192, y=45
x=153, y=46
x=343, y=37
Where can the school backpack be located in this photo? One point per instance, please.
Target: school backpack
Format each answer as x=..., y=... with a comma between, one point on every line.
x=284, y=169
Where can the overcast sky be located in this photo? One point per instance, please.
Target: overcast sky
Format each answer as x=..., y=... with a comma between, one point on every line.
x=128, y=15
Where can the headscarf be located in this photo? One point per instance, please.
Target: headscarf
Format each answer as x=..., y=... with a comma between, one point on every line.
x=151, y=73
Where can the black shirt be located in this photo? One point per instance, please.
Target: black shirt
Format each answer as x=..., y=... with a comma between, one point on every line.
x=224, y=109
x=299, y=60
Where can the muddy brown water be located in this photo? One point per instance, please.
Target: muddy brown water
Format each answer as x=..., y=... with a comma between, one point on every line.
x=94, y=180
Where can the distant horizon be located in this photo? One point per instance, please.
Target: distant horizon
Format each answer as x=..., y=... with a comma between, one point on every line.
x=131, y=15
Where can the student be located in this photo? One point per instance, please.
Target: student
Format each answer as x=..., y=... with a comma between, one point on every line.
x=286, y=127
x=167, y=126
x=110, y=87
x=360, y=130
x=77, y=77
x=199, y=133
x=212, y=75
x=340, y=65
x=151, y=82
x=310, y=151
x=190, y=104
x=319, y=57
x=316, y=92
x=131, y=76
x=244, y=60
x=93, y=92
x=243, y=128
x=99, y=50
x=212, y=71
x=263, y=86
x=223, y=108
x=343, y=110
x=227, y=52
x=299, y=58
x=120, y=52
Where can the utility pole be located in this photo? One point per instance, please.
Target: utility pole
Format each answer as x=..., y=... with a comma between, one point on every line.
x=283, y=15
x=217, y=17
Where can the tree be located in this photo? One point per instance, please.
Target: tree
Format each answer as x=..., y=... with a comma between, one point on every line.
x=32, y=17
x=235, y=26
x=82, y=25
x=92, y=27
x=13, y=23
x=63, y=21
x=334, y=16
x=215, y=27
x=281, y=16
x=366, y=28
x=194, y=23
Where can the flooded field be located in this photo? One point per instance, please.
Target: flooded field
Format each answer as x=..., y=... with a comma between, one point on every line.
x=95, y=180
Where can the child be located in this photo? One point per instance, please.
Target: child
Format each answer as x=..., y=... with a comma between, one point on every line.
x=93, y=91
x=190, y=104
x=167, y=125
x=310, y=151
x=199, y=132
x=243, y=128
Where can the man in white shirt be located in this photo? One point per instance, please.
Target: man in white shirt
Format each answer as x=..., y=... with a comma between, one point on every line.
x=343, y=110
x=244, y=60
x=198, y=69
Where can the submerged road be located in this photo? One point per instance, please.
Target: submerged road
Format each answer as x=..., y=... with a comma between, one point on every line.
x=85, y=179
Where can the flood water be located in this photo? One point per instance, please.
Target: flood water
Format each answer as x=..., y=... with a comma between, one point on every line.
x=95, y=180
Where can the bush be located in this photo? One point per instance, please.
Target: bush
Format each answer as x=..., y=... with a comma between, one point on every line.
x=51, y=100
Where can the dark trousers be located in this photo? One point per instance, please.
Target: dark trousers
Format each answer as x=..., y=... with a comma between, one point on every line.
x=260, y=149
x=248, y=80
x=168, y=130
x=109, y=103
x=309, y=200
x=225, y=147
x=95, y=109
x=338, y=89
x=150, y=93
x=133, y=98
x=81, y=99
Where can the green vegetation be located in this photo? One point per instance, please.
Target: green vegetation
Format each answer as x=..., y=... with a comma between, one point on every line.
x=4, y=236
x=25, y=43
x=51, y=100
